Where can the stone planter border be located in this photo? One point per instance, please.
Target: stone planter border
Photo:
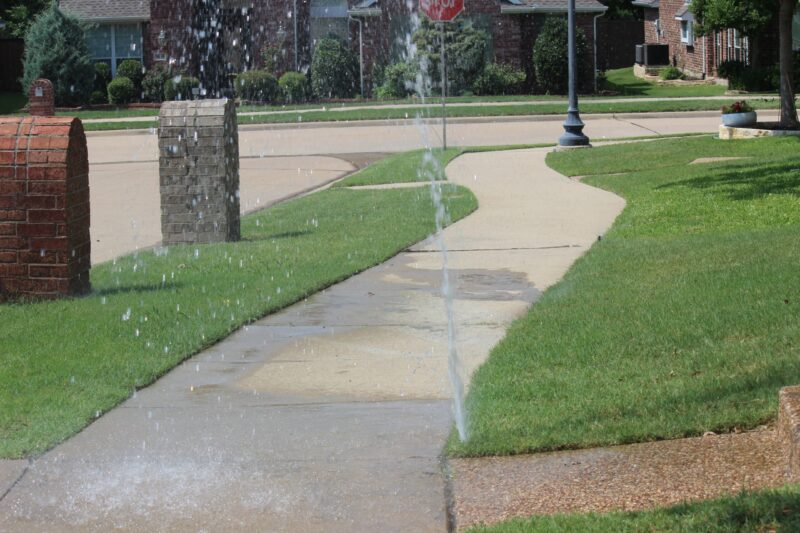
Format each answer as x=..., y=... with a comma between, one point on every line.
x=729, y=133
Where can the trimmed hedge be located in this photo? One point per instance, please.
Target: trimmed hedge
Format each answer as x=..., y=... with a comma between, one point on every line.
x=102, y=76
x=153, y=84
x=398, y=81
x=133, y=70
x=180, y=87
x=121, y=90
x=499, y=78
x=294, y=87
x=257, y=86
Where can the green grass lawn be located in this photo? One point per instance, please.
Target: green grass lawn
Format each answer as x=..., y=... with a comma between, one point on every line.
x=456, y=111
x=63, y=363
x=749, y=512
x=11, y=102
x=683, y=319
x=626, y=84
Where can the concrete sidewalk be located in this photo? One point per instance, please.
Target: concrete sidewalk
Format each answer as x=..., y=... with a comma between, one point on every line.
x=332, y=414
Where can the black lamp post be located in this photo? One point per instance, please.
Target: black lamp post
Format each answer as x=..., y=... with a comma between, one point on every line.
x=573, y=127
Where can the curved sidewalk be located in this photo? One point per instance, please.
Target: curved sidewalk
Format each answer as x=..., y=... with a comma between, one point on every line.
x=332, y=414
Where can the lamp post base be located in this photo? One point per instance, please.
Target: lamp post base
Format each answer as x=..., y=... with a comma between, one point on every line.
x=573, y=136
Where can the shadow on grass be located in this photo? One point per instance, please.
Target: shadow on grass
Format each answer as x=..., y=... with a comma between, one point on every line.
x=744, y=182
x=284, y=235
x=136, y=289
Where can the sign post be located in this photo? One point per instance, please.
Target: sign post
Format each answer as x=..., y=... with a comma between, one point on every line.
x=442, y=11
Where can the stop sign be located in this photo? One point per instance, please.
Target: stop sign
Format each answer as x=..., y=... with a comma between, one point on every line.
x=441, y=10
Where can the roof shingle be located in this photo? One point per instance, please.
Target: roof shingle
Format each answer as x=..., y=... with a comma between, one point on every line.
x=97, y=10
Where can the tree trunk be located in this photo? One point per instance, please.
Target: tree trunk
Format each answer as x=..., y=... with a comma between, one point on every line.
x=788, y=109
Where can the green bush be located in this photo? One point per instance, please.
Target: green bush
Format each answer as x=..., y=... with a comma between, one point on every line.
x=671, y=73
x=133, y=70
x=466, y=48
x=121, y=90
x=257, y=86
x=153, y=84
x=334, y=70
x=55, y=48
x=550, y=58
x=294, y=87
x=743, y=77
x=180, y=87
x=498, y=78
x=102, y=76
x=98, y=98
x=398, y=81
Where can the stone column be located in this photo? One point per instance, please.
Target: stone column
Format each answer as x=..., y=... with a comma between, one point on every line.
x=44, y=208
x=199, y=168
x=41, y=99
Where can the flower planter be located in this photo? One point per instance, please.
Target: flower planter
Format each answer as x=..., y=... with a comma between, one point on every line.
x=738, y=120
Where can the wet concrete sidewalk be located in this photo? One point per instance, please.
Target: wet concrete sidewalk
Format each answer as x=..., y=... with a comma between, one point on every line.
x=332, y=414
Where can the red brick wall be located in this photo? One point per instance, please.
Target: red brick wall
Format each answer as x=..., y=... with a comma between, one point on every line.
x=688, y=57
x=651, y=35
x=41, y=99
x=44, y=208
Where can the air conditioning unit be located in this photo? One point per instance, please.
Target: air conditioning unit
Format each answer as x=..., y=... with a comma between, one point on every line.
x=651, y=55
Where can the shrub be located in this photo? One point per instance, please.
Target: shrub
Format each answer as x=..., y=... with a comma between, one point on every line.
x=180, y=87
x=671, y=73
x=133, y=70
x=498, y=78
x=466, y=53
x=98, y=98
x=153, y=84
x=294, y=87
x=334, y=69
x=55, y=48
x=270, y=54
x=121, y=90
x=398, y=81
x=102, y=76
x=257, y=86
x=742, y=77
x=550, y=57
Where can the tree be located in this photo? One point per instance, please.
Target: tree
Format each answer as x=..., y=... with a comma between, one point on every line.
x=750, y=17
x=334, y=69
x=551, y=60
x=55, y=48
x=465, y=47
x=18, y=16
x=621, y=10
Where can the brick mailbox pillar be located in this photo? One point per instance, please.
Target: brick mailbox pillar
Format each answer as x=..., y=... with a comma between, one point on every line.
x=44, y=208
x=199, y=170
x=41, y=99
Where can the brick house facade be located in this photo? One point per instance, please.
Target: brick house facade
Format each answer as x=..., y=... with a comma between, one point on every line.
x=671, y=22
x=179, y=33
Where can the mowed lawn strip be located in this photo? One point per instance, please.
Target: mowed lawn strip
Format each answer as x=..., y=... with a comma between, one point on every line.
x=63, y=363
x=685, y=318
x=748, y=512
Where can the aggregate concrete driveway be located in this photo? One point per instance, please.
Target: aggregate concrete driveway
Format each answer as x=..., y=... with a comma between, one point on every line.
x=330, y=415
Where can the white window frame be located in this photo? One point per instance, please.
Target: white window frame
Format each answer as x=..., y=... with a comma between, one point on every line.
x=687, y=32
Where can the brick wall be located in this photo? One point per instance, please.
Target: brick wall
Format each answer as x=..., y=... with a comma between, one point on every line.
x=41, y=98
x=44, y=208
x=199, y=172
x=651, y=33
x=687, y=56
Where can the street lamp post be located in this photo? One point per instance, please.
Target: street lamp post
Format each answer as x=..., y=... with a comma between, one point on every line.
x=573, y=127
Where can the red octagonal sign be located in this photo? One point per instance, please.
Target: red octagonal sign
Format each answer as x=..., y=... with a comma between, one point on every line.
x=441, y=10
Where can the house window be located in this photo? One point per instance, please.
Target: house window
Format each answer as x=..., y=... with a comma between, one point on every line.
x=329, y=17
x=114, y=43
x=687, y=32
